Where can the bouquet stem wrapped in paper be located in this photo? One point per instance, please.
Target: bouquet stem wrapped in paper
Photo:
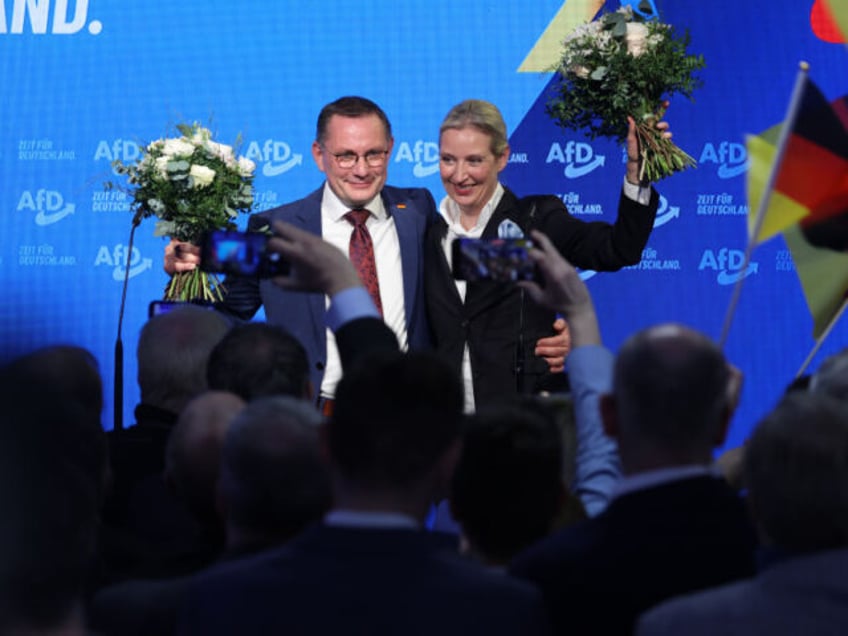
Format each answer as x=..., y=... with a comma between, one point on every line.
x=193, y=185
x=618, y=66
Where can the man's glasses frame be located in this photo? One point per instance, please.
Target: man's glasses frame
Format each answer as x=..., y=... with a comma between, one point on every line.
x=373, y=158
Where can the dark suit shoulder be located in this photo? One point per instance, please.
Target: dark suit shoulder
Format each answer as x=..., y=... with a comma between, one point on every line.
x=257, y=220
x=394, y=192
x=362, y=581
x=697, y=513
x=409, y=200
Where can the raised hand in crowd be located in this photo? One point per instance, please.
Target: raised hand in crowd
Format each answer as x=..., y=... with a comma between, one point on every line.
x=564, y=291
x=316, y=265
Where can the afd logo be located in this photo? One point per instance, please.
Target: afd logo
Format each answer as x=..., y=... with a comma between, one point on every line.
x=276, y=157
x=117, y=258
x=579, y=158
x=49, y=206
x=34, y=16
x=731, y=158
x=423, y=154
x=123, y=150
x=666, y=212
x=728, y=263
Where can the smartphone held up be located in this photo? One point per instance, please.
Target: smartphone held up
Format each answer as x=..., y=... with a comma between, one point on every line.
x=502, y=260
x=240, y=254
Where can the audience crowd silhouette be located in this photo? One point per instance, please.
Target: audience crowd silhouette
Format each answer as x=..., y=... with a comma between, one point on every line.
x=234, y=506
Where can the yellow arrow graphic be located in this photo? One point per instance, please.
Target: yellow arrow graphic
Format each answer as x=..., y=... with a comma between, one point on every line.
x=544, y=55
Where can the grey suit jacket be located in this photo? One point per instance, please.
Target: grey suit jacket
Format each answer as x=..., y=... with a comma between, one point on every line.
x=806, y=594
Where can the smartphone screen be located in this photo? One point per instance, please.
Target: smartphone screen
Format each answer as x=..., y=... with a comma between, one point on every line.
x=500, y=260
x=240, y=253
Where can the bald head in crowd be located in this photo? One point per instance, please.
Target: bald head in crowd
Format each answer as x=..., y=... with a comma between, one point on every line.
x=173, y=350
x=671, y=402
x=274, y=479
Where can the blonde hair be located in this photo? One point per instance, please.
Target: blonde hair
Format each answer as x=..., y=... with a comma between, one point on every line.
x=482, y=115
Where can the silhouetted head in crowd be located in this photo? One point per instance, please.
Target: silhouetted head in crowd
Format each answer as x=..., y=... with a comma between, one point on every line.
x=274, y=479
x=670, y=402
x=173, y=350
x=796, y=471
x=507, y=489
x=70, y=368
x=257, y=359
x=394, y=434
x=73, y=372
x=49, y=503
x=832, y=376
x=193, y=454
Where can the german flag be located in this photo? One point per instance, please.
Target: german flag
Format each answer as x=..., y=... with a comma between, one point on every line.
x=809, y=201
x=811, y=184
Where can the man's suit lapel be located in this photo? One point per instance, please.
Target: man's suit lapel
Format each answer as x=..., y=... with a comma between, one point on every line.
x=307, y=216
x=409, y=231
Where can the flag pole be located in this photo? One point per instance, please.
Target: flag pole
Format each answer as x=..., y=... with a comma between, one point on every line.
x=823, y=337
x=782, y=142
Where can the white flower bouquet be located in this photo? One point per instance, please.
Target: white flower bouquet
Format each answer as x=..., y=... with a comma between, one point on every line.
x=193, y=185
x=621, y=65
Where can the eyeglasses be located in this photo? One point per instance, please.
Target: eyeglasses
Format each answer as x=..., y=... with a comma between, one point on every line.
x=373, y=158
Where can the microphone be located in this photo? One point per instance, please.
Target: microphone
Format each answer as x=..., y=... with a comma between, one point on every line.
x=118, y=389
x=519, y=344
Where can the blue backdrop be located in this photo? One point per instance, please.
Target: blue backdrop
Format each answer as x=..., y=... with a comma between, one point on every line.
x=86, y=81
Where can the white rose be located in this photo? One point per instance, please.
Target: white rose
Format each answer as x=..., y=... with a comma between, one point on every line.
x=246, y=166
x=212, y=147
x=225, y=152
x=177, y=148
x=636, y=38
x=580, y=71
x=201, y=176
x=162, y=166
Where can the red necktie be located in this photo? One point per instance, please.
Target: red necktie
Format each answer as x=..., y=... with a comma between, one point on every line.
x=361, y=253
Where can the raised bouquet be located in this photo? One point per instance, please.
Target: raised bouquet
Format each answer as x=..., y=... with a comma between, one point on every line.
x=193, y=185
x=622, y=65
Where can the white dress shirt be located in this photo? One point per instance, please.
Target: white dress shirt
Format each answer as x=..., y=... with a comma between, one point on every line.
x=336, y=230
x=449, y=210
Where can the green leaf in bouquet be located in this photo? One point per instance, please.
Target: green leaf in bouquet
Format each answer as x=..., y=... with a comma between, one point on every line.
x=164, y=228
x=619, y=30
x=180, y=165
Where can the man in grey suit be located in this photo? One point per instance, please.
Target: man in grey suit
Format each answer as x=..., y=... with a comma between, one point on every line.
x=796, y=471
